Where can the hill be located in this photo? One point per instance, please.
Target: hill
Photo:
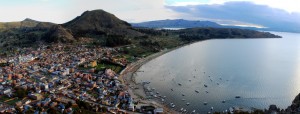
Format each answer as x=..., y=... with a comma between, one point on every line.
x=27, y=23
x=209, y=33
x=99, y=22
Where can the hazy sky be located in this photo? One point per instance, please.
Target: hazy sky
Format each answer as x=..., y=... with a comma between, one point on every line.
x=60, y=11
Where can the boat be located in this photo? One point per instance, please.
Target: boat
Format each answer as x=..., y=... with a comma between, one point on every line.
x=164, y=96
x=237, y=96
x=183, y=95
x=223, y=101
x=171, y=89
x=162, y=100
x=179, y=84
x=184, y=110
x=194, y=111
x=196, y=91
x=205, y=103
x=173, y=106
x=211, y=108
x=205, y=85
x=181, y=109
x=157, y=92
x=231, y=110
x=183, y=99
x=187, y=103
x=206, y=91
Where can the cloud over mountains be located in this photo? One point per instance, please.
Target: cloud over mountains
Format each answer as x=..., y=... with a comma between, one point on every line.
x=247, y=12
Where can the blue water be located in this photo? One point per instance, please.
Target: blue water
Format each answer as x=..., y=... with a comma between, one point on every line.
x=261, y=71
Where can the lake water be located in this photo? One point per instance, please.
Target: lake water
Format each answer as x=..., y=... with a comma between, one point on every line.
x=261, y=71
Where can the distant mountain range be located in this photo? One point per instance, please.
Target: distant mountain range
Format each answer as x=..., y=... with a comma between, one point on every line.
x=177, y=23
x=181, y=23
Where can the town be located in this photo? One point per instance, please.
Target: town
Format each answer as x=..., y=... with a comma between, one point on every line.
x=62, y=78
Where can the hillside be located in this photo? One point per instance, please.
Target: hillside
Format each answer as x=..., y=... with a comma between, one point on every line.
x=202, y=33
x=22, y=24
x=177, y=23
x=99, y=22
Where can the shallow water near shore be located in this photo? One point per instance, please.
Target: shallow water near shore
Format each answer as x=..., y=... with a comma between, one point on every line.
x=261, y=71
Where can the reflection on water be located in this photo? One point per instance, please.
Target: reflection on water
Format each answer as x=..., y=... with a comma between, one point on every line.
x=260, y=71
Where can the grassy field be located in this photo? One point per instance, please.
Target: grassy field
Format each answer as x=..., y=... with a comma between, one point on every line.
x=103, y=66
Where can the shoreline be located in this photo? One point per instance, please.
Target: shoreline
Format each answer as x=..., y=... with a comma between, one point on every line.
x=136, y=90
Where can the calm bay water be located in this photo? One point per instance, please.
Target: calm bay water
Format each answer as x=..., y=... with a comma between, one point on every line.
x=261, y=71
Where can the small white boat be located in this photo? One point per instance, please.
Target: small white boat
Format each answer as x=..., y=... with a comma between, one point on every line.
x=184, y=110
x=211, y=108
x=194, y=111
x=181, y=109
x=183, y=99
x=205, y=103
x=187, y=103
x=173, y=106
x=164, y=96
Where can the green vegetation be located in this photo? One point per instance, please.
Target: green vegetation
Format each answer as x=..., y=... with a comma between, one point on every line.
x=3, y=64
x=21, y=93
x=4, y=98
x=108, y=65
x=116, y=40
x=10, y=101
x=13, y=101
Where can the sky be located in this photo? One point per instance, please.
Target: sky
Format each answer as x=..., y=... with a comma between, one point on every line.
x=259, y=13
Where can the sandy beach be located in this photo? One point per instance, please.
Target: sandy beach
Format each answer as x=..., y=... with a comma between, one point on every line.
x=136, y=90
x=127, y=77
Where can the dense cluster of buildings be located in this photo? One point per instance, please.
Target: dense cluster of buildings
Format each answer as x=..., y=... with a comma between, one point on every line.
x=48, y=79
